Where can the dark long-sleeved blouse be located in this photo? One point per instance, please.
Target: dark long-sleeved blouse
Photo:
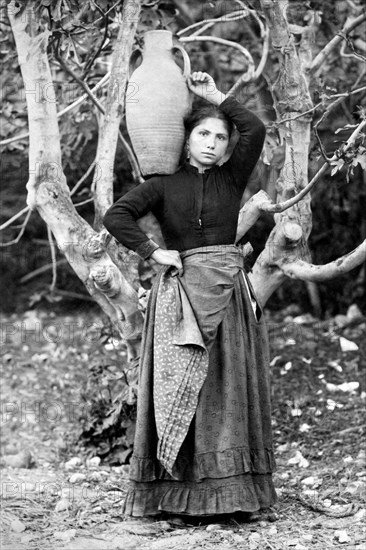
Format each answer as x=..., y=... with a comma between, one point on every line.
x=193, y=209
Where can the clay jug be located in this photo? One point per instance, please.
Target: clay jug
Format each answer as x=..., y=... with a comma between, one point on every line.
x=157, y=100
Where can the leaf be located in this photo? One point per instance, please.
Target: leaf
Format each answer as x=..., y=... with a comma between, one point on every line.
x=360, y=159
x=338, y=164
x=312, y=481
x=347, y=345
x=345, y=387
x=335, y=366
x=93, y=462
x=274, y=360
x=299, y=460
x=121, y=455
x=77, y=478
x=286, y=368
x=66, y=536
x=342, y=536
x=304, y=428
x=72, y=463
x=17, y=526
x=356, y=488
x=62, y=505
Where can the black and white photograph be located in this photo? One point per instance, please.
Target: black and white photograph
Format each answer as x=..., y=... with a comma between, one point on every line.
x=183, y=275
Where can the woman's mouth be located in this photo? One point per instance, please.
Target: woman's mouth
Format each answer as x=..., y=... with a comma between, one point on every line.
x=208, y=154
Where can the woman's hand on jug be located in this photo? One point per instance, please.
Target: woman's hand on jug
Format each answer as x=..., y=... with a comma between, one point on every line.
x=203, y=85
x=168, y=257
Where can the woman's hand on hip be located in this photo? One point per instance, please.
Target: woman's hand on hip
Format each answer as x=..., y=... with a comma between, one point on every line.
x=203, y=85
x=168, y=257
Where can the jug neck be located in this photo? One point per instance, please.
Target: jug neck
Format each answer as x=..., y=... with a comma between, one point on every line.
x=157, y=41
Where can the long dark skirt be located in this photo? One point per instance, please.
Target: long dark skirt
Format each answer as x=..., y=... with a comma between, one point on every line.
x=225, y=461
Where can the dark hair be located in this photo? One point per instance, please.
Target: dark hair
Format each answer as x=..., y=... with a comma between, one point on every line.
x=206, y=110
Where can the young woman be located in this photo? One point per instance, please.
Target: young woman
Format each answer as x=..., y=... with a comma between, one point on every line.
x=203, y=443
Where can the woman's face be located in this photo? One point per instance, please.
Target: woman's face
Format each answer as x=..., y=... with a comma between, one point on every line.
x=207, y=143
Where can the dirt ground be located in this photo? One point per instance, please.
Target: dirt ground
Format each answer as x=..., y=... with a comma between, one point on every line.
x=55, y=495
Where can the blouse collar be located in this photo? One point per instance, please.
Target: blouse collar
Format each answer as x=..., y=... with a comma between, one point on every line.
x=193, y=169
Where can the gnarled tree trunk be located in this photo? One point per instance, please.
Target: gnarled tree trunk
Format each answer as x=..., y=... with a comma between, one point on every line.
x=48, y=193
x=286, y=252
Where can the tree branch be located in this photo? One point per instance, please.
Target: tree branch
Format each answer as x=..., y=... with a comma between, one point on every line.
x=259, y=70
x=78, y=204
x=79, y=80
x=136, y=172
x=217, y=40
x=73, y=191
x=14, y=218
x=41, y=270
x=250, y=212
x=265, y=52
x=53, y=259
x=350, y=25
x=83, y=178
x=291, y=97
x=354, y=54
x=22, y=229
x=107, y=12
x=90, y=61
x=64, y=111
x=282, y=206
x=341, y=96
x=310, y=272
x=114, y=109
x=232, y=16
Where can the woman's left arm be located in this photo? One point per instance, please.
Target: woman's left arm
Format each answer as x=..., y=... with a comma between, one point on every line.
x=248, y=149
x=251, y=129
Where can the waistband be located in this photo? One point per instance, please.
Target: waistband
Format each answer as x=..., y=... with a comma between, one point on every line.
x=213, y=249
x=222, y=254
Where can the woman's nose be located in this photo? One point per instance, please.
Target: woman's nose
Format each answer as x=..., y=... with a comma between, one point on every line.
x=210, y=142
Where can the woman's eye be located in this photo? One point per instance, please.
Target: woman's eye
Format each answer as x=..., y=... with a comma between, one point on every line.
x=203, y=133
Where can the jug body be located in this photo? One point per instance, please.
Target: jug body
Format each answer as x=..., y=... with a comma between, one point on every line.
x=156, y=106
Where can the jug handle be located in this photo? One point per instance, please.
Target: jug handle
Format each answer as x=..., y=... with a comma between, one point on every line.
x=186, y=60
x=133, y=59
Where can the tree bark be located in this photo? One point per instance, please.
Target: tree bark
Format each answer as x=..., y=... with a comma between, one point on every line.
x=291, y=97
x=48, y=192
x=310, y=272
x=286, y=252
x=114, y=110
x=350, y=25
